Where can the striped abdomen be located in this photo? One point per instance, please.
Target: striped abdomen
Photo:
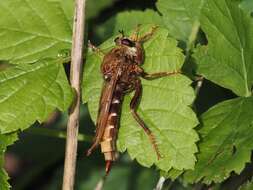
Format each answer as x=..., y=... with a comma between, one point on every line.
x=108, y=142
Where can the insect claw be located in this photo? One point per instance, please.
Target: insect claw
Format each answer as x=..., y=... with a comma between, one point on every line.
x=88, y=153
x=95, y=49
x=91, y=46
x=135, y=36
x=122, y=33
x=154, y=28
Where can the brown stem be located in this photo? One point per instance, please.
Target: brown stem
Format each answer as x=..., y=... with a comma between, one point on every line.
x=75, y=80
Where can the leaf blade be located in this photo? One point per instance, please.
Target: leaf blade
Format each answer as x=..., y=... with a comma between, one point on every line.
x=31, y=92
x=33, y=30
x=181, y=17
x=231, y=68
x=226, y=141
x=5, y=140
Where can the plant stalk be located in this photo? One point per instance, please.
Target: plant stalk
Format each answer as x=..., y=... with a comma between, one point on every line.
x=75, y=80
x=160, y=183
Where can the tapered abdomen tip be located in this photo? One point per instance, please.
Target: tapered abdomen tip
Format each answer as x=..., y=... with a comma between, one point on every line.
x=108, y=165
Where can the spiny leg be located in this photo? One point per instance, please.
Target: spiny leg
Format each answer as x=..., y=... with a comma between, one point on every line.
x=134, y=36
x=158, y=75
x=133, y=107
x=148, y=35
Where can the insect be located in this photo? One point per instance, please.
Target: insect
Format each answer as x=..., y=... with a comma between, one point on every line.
x=121, y=69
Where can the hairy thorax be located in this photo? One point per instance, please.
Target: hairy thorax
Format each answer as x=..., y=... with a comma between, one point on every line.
x=124, y=61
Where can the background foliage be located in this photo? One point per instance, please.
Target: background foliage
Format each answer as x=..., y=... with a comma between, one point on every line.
x=205, y=137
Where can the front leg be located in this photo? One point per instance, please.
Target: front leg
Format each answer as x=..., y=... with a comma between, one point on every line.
x=95, y=49
x=158, y=75
x=133, y=107
x=148, y=35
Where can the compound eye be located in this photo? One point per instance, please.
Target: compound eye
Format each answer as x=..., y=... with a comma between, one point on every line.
x=127, y=42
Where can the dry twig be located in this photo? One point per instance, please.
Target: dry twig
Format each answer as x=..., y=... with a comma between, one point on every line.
x=75, y=80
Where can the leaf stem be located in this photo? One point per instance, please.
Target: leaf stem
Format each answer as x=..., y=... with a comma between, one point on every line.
x=160, y=183
x=56, y=133
x=100, y=184
x=75, y=80
x=193, y=35
x=198, y=85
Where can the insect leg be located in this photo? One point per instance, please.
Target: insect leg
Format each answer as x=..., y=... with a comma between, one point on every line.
x=158, y=75
x=133, y=107
x=148, y=35
x=93, y=146
x=134, y=36
x=95, y=49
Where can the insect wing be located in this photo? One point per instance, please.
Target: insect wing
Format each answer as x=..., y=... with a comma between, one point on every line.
x=104, y=108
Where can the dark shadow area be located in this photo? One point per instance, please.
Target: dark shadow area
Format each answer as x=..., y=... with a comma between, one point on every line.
x=210, y=94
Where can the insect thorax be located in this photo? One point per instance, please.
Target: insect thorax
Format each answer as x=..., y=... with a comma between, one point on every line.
x=126, y=58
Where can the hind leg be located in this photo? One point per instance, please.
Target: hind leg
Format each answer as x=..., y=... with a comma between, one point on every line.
x=133, y=107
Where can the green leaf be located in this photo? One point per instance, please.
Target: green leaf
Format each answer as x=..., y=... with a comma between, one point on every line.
x=67, y=7
x=247, y=186
x=93, y=7
x=164, y=106
x=31, y=30
x=226, y=141
x=30, y=92
x=233, y=34
x=5, y=140
x=126, y=21
x=172, y=174
x=181, y=17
